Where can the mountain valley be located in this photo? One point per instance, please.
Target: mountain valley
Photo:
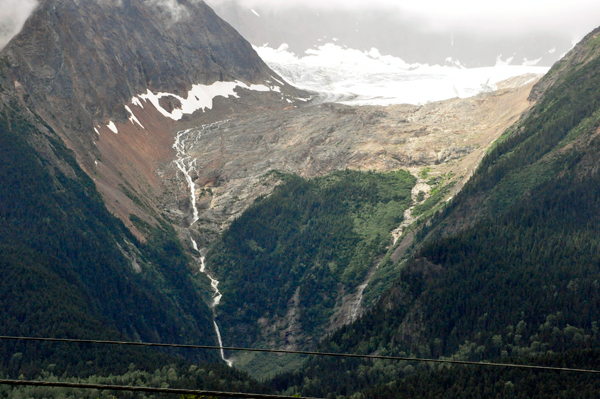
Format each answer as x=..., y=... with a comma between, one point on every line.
x=160, y=183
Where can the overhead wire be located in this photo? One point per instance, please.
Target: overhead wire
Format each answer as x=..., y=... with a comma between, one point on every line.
x=310, y=353
x=145, y=389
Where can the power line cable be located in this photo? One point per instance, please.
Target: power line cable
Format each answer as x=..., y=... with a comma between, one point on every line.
x=348, y=355
x=145, y=389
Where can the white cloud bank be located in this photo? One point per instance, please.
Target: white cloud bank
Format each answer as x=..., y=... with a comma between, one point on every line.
x=501, y=18
x=505, y=18
x=13, y=14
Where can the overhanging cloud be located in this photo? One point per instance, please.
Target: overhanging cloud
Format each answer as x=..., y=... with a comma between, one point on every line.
x=13, y=14
x=502, y=18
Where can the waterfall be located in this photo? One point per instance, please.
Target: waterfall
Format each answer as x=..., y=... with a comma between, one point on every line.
x=214, y=283
x=184, y=140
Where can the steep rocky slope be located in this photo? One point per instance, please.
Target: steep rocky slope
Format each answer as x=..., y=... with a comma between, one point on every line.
x=234, y=156
x=180, y=126
x=79, y=65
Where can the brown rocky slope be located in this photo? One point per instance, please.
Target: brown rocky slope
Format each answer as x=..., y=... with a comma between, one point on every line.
x=79, y=64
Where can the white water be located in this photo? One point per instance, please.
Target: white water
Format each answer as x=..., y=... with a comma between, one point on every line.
x=361, y=290
x=229, y=362
x=184, y=140
x=186, y=165
x=214, y=283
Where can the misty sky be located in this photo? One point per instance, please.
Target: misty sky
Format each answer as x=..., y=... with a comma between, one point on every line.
x=499, y=18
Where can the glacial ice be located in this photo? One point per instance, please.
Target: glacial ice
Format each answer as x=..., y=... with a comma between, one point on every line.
x=369, y=78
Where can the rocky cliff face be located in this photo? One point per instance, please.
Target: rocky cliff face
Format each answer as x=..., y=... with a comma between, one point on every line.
x=94, y=56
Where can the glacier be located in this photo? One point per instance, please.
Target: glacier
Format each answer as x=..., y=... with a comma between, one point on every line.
x=357, y=77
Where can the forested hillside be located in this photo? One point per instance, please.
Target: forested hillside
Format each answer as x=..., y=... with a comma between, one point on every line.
x=294, y=254
x=509, y=270
x=213, y=377
x=71, y=269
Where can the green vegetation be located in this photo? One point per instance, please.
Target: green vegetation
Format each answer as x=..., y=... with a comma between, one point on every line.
x=523, y=285
x=389, y=379
x=424, y=173
x=509, y=271
x=211, y=377
x=562, y=113
x=308, y=240
x=267, y=365
x=66, y=267
x=437, y=195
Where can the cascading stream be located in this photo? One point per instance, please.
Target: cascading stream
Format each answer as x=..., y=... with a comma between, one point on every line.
x=186, y=165
x=185, y=140
x=214, y=283
x=356, y=307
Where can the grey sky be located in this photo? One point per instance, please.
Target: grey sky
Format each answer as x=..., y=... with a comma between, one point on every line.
x=502, y=18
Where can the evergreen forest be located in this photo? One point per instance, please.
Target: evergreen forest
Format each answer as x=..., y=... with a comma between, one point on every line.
x=303, y=245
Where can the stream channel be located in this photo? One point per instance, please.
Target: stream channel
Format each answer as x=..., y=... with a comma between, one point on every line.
x=185, y=140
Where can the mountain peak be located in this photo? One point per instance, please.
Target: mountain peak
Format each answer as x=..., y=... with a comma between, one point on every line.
x=97, y=55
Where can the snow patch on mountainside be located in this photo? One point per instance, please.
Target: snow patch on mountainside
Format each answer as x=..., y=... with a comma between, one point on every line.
x=369, y=78
x=200, y=97
x=133, y=118
x=111, y=125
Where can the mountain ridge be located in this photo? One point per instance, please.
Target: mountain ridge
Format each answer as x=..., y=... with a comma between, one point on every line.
x=178, y=180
